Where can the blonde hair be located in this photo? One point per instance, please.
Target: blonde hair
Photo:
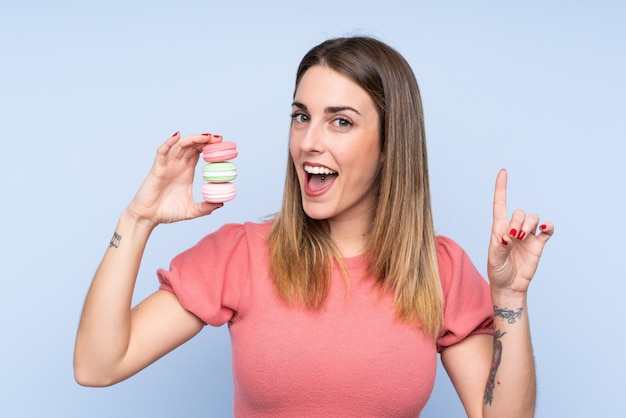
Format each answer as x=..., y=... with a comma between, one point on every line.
x=401, y=246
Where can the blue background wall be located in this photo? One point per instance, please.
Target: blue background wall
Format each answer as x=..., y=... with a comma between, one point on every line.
x=88, y=90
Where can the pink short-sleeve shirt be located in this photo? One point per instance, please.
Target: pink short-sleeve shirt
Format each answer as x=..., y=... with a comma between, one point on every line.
x=351, y=358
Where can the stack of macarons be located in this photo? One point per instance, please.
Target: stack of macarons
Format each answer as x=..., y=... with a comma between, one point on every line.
x=218, y=172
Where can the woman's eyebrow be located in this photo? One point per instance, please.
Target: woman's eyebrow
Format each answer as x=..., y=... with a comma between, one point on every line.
x=329, y=109
x=335, y=109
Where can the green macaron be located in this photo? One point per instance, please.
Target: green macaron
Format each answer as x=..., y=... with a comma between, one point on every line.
x=219, y=172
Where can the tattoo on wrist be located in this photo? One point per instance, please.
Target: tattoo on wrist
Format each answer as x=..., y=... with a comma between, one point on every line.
x=510, y=315
x=495, y=363
x=115, y=240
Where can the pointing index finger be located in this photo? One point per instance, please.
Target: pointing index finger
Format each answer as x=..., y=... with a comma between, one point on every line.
x=499, y=196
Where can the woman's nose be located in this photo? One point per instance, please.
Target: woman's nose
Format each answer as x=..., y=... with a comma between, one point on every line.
x=312, y=139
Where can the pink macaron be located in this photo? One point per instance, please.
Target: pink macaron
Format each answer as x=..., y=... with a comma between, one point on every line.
x=218, y=192
x=219, y=151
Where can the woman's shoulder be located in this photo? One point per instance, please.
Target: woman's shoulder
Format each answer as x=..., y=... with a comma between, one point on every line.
x=448, y=246
x=258, y=229
x=454, y=262
x=251, y=231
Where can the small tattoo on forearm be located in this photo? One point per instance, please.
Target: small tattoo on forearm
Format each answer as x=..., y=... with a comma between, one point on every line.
x=115, y=240
x=510, y=315
x=495, y=363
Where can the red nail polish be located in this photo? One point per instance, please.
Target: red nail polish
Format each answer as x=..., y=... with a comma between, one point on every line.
x=217, y=136
x=521, y=234
x=176, y=133
x=504, y=242
x=513, y=232
x=542, y=227
x=206, y=134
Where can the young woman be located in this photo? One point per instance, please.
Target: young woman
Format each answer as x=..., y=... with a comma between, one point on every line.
x=339, y=306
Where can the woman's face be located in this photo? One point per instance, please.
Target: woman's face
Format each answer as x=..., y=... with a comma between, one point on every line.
x=335, y=145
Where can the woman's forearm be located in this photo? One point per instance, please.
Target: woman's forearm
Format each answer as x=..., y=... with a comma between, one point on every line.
x=104, y=329
x=511, y=387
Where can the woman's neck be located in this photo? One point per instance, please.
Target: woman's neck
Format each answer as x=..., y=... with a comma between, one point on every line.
x=350, y=235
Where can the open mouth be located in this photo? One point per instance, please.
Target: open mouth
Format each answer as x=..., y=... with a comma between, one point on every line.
x=319, y=178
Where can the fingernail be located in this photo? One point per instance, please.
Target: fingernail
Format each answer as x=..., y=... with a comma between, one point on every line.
x=217, y=136
x=504, y=242
x=513, y=232
x=542, y=227
x=206, y=134
x=521, y=235
x=176, y=133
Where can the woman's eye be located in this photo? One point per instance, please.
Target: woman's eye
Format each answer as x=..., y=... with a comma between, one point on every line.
x=299, y=117
x=342, y=123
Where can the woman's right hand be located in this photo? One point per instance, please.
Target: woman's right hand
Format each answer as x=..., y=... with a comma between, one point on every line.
x=166, y=195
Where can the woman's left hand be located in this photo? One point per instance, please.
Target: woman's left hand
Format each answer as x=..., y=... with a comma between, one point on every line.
x=516, y=244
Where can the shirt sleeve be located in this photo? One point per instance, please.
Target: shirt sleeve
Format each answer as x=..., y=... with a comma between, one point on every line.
x=208, y=278
x=468, y=308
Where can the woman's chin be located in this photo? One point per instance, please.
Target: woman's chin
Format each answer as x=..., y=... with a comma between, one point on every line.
x=315, y=215
x=316, y=212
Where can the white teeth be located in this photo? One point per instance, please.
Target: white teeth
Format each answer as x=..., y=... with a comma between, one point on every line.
x=318, y=170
